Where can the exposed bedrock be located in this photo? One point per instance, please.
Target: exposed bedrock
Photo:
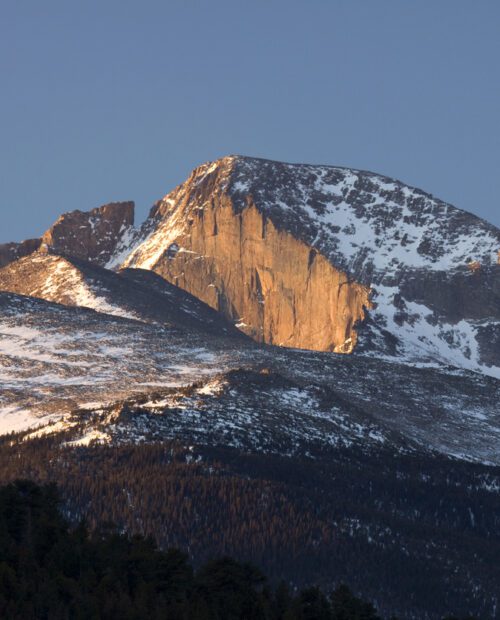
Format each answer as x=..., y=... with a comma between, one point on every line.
x=91, y=235
x=456, y=295
x=276, y=288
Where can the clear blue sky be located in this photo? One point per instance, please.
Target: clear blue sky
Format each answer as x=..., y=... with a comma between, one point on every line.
x=118, y=99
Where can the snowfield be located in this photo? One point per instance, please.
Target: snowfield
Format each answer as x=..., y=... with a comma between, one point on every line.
x=112, y=379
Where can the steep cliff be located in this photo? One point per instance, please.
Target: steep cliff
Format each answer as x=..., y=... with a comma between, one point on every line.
x=329, y=258
x=275, y=287
x=315, y=257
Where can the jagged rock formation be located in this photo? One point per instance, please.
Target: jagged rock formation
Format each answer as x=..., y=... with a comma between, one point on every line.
x=297, y=255
x=275, y=287
x=10, y=252
x=303, y=256
x=93, y=235
x=314, y=257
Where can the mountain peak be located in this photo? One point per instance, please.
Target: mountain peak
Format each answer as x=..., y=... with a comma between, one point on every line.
x=312, y=256
x=302, y=255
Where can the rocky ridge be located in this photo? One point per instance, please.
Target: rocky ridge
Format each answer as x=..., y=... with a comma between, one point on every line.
x=259, y=247
x=55, y=360
x=105, y=370
x=315, y=257
x=132, y=293
x=301, y=256
x=91, y=235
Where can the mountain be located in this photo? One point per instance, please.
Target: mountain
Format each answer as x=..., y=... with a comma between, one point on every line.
x=10, y=252
x=70, y=364
x=297, y=365
x=302, y=256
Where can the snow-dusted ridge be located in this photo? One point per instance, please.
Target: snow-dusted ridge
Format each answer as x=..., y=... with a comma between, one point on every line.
x=364, y=222
x=381, y=232
x=54, y=357
x=55, y=360
x=435, y=317
x=137, y=295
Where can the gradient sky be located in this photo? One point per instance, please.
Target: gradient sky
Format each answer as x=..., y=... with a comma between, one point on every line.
x=116, y=99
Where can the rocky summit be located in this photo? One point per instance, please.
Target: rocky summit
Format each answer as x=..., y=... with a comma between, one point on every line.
x=314, y=257
x=323, y=339
x=93, y=235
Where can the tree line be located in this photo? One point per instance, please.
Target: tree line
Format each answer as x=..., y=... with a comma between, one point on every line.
x=396, y=529
x=49, y=570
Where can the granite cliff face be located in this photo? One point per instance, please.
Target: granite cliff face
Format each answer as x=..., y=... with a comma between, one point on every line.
x=330, y=259
x=273, y=286
x=101, y=343
x=314, y=257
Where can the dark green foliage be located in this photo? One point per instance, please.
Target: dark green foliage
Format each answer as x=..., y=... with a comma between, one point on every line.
x=396, y=528
x=49, y=571
x=310, y=604
x=345, y=606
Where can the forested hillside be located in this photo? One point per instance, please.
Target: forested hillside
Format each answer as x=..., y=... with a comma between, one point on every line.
x=49, y=571
x=352, y=518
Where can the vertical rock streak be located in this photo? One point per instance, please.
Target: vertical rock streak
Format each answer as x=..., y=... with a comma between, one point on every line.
x=275, y=287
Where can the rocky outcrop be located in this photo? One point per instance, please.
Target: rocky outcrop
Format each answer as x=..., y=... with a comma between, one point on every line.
x=460, y=294
x=274, y=287
x=93, y=235
x=10, y=252
x=316, y=256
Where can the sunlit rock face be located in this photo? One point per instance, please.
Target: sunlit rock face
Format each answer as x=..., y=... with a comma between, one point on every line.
x=93, y=235
x=274, y=286
x=330, y=259
x=314, y=257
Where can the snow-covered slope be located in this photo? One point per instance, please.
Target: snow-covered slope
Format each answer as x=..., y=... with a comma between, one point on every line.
x=372, y=226
x=380, y=232
x=54, y=358
x=246, y=409
x=59, y=364
x=253, y=234
x=133, y=294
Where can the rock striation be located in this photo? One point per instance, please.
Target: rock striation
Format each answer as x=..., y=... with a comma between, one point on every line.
x=331, y=259
x=314, y=257
x=275, y=287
